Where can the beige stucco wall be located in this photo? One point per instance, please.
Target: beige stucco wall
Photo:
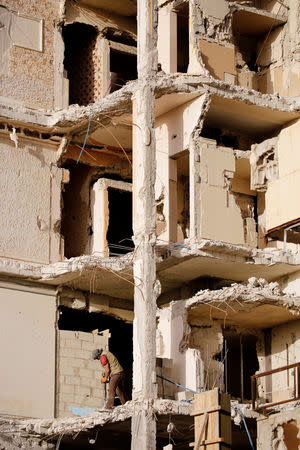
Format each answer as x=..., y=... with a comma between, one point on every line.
x=220, y=217
x=30, y=189
x=281, y=204
x=27, y=349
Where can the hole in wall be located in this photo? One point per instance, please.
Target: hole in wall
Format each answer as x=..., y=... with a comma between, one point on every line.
x=123, y=68
x=81, y=62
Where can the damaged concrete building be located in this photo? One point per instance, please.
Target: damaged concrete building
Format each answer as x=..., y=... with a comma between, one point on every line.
x=149, y=191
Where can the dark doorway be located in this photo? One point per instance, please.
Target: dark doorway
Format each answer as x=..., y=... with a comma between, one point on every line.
x=119, y=233
x=241, y=362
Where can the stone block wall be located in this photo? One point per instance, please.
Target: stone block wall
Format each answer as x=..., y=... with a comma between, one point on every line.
x=79, y=376
x=27, y=74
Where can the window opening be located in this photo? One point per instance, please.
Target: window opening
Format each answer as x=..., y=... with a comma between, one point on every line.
x=123, y=68
x=82, y=63
x=182, y=37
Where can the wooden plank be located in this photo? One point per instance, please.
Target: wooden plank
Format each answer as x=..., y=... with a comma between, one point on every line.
x=202, y=432
x=212, y=415
x=210, y=410
x=192, y=444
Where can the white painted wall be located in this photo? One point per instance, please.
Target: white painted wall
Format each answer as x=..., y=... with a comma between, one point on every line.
x=27, y=350
x=184, y=365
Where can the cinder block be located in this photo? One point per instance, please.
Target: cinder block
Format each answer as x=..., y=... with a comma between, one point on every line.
x=67, y=398
x=65, y=362
x=90, y=346
x=73, y=343
x=82, y=390
x=66, y=389
x=93, y=365
x=79, y=363
x=83, y=354
x=66, y=370
x=89, y=337
x=86, y=373
x=98, y=393
x=66, y=334
x=72, y=380
x=68, y=352
x=91, y=382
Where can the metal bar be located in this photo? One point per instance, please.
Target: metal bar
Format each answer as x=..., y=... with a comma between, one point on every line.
x=290, y=366
x=176, y=384
x=268, y=405
x=287, y=362
x=246, y=427
x=253, y=391
x=284, y=239
x=225, y=349
x=242, y=368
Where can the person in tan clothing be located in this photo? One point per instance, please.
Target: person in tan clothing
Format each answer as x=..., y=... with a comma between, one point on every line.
x=113, y=374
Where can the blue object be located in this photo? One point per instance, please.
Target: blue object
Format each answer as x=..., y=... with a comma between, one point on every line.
x=78, y=411
x=245, y=425
x=176, y=384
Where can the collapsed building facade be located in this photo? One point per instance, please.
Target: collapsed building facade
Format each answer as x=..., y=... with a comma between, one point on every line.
x=149, y=179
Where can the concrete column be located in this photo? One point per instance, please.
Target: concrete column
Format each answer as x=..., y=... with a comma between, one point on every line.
x=167, y=39
x=100, y=218
x=144, y=221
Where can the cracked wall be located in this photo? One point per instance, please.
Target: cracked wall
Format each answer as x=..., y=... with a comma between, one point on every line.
x=31, y=192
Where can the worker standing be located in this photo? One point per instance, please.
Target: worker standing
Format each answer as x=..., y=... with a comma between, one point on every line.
x=113, y=375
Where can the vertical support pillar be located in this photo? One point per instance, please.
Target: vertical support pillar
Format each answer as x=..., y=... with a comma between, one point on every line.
x=167, y=39
x=144, y=222
x=100, y=219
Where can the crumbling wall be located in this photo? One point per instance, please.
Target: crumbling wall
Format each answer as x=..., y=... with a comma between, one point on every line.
x=279, y=59
x=279, y=431
x=27, y=51
x=281, y=206
x=285, y=351
x=208, y=339
x=31, y=193
x=223, y=214
x=79, y=376
x=173, y=132
x=178, y=362
x=78, y=198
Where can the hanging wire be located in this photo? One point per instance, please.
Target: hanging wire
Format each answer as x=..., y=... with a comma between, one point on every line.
x=87, y=132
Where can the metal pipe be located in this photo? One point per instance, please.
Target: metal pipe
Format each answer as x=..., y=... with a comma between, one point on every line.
x=246, y=427
x=242, y=368
x=177, y=384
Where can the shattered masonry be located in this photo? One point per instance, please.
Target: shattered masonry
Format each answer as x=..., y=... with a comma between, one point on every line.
x=149, y=179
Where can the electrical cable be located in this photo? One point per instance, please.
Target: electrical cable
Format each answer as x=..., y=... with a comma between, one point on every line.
x=87, y=132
